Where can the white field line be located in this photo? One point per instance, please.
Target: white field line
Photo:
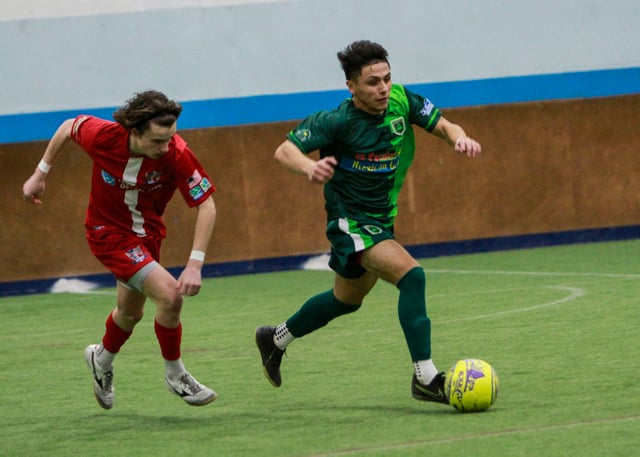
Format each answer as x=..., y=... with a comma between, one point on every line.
x=574, y=293
x=424, y=444
x=537, y=273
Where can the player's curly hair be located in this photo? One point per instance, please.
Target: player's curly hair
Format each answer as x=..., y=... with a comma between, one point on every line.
x=360, y=54
x=145, y=107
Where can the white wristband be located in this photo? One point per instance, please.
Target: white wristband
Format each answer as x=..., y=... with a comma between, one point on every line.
x=44, y=166
x=197, y=255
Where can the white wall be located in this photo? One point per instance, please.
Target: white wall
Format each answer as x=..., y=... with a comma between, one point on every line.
x=227, y=49
x=29, y=9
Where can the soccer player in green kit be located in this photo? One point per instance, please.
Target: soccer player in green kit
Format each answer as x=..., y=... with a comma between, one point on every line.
x=366, y=145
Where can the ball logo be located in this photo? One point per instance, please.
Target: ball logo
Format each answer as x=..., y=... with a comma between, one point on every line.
x=471, y=385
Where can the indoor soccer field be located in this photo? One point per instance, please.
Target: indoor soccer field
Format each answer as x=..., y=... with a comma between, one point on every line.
x=558, y=324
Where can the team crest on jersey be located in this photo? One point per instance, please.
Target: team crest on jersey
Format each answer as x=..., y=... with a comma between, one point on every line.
x=106, y=177
x=152, y=177
x=398, y=126
x=303, y=134
x=373, y=229
x=136, y=254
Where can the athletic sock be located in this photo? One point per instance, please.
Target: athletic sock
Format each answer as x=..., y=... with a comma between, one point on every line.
x=170, y=340
x=283, y=337
x=113, y=339
x=412, y=311
x=317, y=312
x=174, y=368
x=425, y=370
x=104, y=358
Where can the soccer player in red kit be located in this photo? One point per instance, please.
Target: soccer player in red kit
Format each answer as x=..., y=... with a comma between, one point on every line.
x=138, y=163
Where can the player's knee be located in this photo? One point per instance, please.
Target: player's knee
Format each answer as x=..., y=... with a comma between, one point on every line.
x=173, y=303
x=131, y=317
x=414, y=279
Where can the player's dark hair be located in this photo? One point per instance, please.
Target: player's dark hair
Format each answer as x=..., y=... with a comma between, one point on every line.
x=360, y=54
x=146, y=107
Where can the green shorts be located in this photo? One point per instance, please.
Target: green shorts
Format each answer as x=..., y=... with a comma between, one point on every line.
x=349, y=237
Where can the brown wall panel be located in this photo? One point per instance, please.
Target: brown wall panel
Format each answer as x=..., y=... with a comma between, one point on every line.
x=548, y=166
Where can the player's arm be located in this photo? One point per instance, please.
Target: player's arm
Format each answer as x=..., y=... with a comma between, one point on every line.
x=190, y=280
x=292, y=158
x=455, y=136
x=33, y=188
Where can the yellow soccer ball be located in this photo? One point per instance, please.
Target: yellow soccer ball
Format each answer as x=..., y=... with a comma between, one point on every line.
x=471, y=385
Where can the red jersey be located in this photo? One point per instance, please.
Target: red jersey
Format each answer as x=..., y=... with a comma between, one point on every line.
x=131, y=192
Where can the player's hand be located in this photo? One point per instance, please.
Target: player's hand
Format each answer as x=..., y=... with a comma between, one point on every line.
x=322, y=170
x=33, y=189
x=467, y=146
x=190, y=281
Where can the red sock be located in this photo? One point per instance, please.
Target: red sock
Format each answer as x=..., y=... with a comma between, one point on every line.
x=170, y=340
x=114, y=337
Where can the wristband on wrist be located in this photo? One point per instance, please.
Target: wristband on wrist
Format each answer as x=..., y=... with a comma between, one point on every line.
x=44, y=166
x=197, y=255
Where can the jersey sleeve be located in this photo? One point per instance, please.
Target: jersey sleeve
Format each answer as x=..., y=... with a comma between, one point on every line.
x=84, y=130
x=192, y=180
x=314, y=132
x=92, y=134
x=422, y=111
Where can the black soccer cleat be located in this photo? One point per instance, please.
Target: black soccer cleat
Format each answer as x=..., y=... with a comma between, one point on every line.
x=270, y=353
x=434, y=391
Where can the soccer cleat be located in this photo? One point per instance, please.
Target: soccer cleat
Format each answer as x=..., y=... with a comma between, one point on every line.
x=191, y=391
x=102, y=379
x=270, y=353
x=434, y=391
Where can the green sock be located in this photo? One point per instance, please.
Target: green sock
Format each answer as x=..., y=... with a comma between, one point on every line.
x=317, y=312
x=412, y=311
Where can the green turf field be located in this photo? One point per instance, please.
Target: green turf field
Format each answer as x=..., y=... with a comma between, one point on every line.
x=559, y=325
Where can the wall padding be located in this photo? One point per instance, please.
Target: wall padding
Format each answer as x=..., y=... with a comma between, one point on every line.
x=548, y=166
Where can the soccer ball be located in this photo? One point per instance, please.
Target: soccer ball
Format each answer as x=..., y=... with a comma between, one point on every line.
x=471, y=385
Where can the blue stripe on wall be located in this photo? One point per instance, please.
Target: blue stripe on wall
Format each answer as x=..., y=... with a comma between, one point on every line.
x=421, y=251
x=273, y=108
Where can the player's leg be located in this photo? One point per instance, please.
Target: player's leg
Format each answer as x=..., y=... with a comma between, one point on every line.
x=162, y=288
x=118, y=328
x=345, y=297
x=392, y=262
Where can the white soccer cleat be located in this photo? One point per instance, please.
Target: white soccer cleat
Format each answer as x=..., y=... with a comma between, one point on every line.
x=102, y=379
x=191, y=391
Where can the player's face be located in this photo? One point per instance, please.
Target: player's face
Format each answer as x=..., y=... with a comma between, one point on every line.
x=153, y=142
x=371, y=89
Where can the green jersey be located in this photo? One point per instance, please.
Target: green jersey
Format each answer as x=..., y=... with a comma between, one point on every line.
x=373, y=152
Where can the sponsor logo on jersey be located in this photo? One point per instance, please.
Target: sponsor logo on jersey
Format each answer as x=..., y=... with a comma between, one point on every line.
x=194, y=179
x=106, y=177
x=196, y=193
x=303, y=134
x=198, y=186
x=398, y=126
x=136, y=254
x=372, y=162
x=126, y=186
x=205, y=184
x=427, y=108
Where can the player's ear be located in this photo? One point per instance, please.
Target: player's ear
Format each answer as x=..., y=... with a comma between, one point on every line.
x=350, y=86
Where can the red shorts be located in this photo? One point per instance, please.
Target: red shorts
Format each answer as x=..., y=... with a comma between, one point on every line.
x=124, y=254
